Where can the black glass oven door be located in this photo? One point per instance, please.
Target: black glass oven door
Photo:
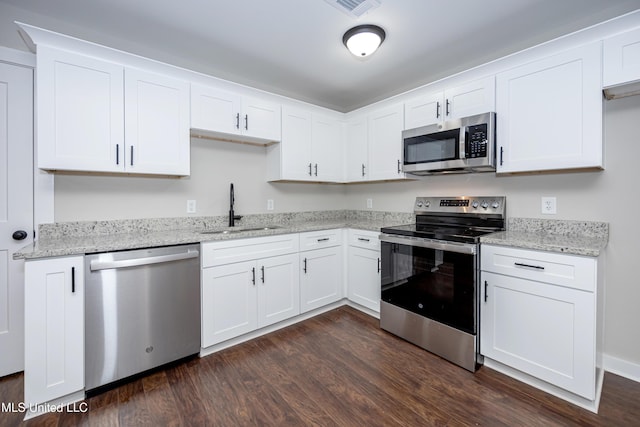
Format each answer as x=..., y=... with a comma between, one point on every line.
x=433, y=283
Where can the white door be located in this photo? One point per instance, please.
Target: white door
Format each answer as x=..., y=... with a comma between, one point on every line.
x=156, y=124
x=228, y=302
x=385, y=143
x=261, y=119
x=296, y=144
x=357, y=140
x=321, y=278
x=16, y=206
x=278, y=282
x=214, y=110
x=326, y=149
x=364, y=277
x=423, y=111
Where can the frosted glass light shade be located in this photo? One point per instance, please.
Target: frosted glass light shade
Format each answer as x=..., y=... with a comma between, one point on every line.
x=363, y=40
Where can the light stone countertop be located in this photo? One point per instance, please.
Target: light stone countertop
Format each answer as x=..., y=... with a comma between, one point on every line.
x=66, y=239
x=586, y=238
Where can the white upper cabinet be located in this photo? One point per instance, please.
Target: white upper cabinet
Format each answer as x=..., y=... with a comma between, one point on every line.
x=621, y=74
x=216, y=112
x=549, y=113
x=385, y=143
x=156, y=124
x=80, y=112
x=295, y=148
x=327, y=148
x=97, y=116
x=311, y=148
x=357, y=150
x=472, y=98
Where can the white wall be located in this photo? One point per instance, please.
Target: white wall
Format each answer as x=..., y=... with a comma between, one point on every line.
x=214, y=165
x=611, y=195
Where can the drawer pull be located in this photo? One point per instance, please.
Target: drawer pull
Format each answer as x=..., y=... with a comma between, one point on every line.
x=535, y=267
x=362, y=239
x=325, y=239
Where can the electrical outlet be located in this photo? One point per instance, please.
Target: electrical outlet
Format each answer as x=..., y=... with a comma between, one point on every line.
x=269, y=204
x=369, y=203
x=549, y=205
x=191, y=206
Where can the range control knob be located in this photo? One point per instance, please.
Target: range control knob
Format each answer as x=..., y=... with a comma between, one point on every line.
x=484, y=205
x=475, y=204
x=427, y=204
x=495, y=205
x=419, y=204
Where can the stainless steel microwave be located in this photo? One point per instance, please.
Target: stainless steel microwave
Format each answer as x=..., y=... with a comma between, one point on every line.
x=456, y=146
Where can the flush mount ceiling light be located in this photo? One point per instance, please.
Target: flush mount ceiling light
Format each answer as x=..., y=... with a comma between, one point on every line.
x=363, y=40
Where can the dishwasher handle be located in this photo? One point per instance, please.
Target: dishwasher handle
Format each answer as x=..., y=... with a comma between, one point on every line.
x=97, y=265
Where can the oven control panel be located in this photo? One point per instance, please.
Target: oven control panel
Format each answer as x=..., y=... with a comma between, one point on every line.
x=461, y=204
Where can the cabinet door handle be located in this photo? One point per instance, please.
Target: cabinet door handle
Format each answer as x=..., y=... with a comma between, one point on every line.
x=310, y=174
x=535, y=267
x=362, y=239
x=363, y=169
x=237, y=120
x=304, y=268
x=132, y=155
x=262, y=268
x=501, y=154
x=324, y=239
x=253, y=276
x=447, y=109
x=316, y=167
x=246, y=122
x=73, y=280
x=117, y=154
x=399, y=170
x=485, y=290
x=437, y=109
x=378, y=265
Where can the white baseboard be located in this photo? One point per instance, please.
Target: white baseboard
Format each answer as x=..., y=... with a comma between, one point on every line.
x=621, y=367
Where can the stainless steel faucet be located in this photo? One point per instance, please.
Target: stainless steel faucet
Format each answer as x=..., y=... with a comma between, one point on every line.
x=232, y=216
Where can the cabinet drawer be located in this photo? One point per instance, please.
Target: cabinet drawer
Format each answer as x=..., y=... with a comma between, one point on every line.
x=364, y=239
x=571, y=271
x=320, y=239
x=230, y=251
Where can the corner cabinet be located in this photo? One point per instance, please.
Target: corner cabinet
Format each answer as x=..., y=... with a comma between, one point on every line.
x=99, y=116
x=549, y=113
x=227, y=115
x=539, y=316
x=54, y=329
x=311, y=148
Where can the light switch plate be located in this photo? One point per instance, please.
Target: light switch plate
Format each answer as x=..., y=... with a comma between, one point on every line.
x=369, y=203
x=269, y=204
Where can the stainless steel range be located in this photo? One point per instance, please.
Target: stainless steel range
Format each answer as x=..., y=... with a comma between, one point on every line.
x=430, y=274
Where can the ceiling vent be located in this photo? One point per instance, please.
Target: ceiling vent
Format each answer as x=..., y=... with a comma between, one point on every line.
x=354, y=8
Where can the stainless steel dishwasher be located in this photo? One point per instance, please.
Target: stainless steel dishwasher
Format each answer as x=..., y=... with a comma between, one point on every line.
x=142, y=310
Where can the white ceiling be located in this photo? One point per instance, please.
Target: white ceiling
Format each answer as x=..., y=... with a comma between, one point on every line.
x=294, y=47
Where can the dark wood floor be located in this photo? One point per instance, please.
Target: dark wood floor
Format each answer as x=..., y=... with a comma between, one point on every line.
x=337, y=369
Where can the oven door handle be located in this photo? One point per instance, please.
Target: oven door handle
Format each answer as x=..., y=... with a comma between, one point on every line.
x=462, y=248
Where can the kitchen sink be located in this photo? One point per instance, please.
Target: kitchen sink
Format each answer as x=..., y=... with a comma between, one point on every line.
x=241, y=230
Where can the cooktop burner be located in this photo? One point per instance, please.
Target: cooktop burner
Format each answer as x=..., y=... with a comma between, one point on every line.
x=455, y=219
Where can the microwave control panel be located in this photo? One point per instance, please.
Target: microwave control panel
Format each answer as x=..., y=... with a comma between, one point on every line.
x=476, y=141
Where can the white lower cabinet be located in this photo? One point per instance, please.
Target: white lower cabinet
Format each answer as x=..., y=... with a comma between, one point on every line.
x=320, y=269
x=54, y=329
x=363, y=267
x=255, y=291
x=538, y=316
